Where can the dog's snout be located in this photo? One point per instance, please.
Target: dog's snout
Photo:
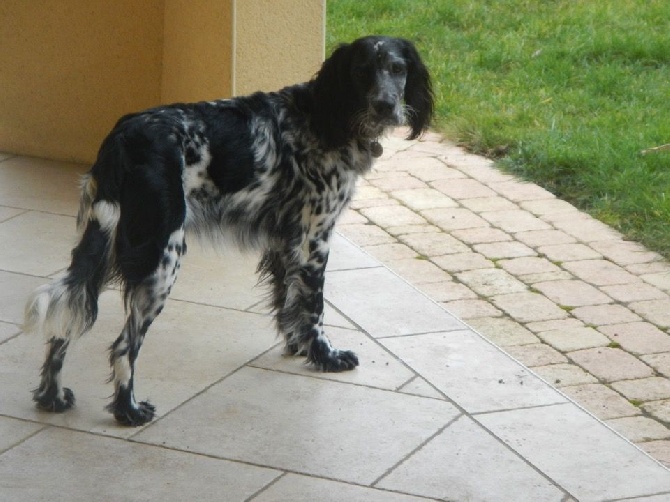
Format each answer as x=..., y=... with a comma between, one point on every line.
x=383, y=106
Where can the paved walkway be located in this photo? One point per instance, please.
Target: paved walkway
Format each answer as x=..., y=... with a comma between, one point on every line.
x=434, y=412
x=560, y=291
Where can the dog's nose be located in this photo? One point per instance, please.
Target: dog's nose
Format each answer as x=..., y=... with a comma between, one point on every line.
x=383, y=107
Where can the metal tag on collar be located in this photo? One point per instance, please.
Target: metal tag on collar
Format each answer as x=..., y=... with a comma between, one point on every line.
x=376, y=149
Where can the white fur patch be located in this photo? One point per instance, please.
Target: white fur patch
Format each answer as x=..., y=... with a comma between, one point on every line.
x=52, y=312
x=195, y=175
x=107, y=215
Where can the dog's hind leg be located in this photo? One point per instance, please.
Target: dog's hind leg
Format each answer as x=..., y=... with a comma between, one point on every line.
x=144, y=302
x=66, y=308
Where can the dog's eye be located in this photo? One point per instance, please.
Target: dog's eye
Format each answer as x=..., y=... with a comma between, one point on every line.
x=397, y=69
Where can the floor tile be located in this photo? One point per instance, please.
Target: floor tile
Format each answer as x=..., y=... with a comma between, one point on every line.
x=384, y=305
x=297, y=488
x=472, y=372
x=464, y=462
x=377, y=367
x=302, y=424
x=41, y=243
x=345, y=255
x=221, y=279
x=14, y=291
x=172, y=366
x=8, y=330
x=62, y=465
x=576, y=451
x=9, y=212
x=664, y=497
x=332, y=317
x=12, y=432
x=420, y=387
x=22, y=185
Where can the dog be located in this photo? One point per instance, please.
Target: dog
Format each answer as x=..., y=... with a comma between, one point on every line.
x=271, y=171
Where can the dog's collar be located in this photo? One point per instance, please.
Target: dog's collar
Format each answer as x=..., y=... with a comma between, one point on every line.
x=376, y=149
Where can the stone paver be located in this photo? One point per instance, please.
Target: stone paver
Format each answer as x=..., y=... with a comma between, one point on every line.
x=582, y=226
x=463, y=188
x=514, y=220
x=638, y=337
x=568, y=252
x=625, y=252
x=537, y=238
x=453, y=218
x=434, y=243
x=561, y=291
x=634, y=292
x=644, y=389
x=500, y=250
x=602, y=401
x=639, y=429
x=529, y=307
x=655, y=311
x=446, y=291
x=610, y=364
x=600, y=272
x=564, y=374
x=526, y=265
x=481, y=235
x=571, y=339
x=660, y=362
x=459, y=262
x=503, y=331
x=537, y=354
x=605, y=314
x=572, y=293
x=491, y=282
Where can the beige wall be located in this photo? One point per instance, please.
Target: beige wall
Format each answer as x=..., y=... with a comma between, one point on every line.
x=277, y=43
x=197, y=58
x=70, y=68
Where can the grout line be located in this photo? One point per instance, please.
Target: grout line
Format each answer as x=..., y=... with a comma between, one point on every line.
x=439, y=431
x=276, y=480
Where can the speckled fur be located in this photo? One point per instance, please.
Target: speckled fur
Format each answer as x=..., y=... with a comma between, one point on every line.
x=270, y=171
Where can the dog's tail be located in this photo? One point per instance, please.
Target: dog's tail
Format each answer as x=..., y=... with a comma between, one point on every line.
x=68, y=306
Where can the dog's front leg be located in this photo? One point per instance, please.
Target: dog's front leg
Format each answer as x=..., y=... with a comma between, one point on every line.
x=301, y=318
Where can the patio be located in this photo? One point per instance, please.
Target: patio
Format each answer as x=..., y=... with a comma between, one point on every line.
x=434, y=412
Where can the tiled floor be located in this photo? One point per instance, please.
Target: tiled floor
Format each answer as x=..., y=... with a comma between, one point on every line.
x=434, y=412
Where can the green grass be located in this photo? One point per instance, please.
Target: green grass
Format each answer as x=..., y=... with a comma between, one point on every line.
x=564, y=93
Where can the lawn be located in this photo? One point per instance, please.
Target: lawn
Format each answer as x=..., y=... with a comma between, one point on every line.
x=565, y=93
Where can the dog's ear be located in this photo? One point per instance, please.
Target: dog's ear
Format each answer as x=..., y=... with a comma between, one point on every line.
x=333, y=96
x=418, y=92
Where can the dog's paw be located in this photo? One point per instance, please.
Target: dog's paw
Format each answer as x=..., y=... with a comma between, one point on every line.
x=134, y=416
x=50, y=401
x=335, y=361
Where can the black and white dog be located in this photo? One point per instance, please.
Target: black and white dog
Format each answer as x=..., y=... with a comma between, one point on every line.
x=272, y=171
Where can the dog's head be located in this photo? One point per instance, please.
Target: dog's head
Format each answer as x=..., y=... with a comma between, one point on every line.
x=370, y=85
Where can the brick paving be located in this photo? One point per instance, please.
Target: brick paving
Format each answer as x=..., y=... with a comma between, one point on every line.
x=558, y=290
